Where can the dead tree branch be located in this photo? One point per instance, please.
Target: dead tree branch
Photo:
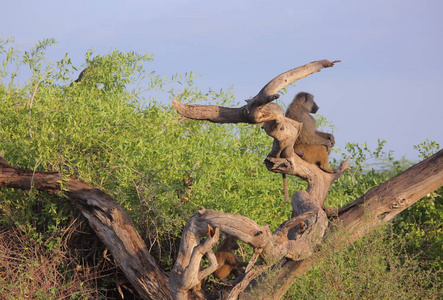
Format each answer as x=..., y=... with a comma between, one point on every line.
x=378, y=206
x=108, y=219
x=258, y=109
x=297, y=238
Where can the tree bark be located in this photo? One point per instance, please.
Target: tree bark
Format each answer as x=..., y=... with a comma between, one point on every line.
x=378, y=206
x=258, y=109
x=109, y=221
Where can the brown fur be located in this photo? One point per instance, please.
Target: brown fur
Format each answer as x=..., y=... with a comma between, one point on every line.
x=300, y=110
x=226, y=259
x=227, y=263
x=311, y=145
x=314, y=154
x=86, y=71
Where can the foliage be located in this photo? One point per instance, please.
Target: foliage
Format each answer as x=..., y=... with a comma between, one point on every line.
x=376, y=267
x=113, y=130
x=422, y=223
x=159, y=167
x=30, y=270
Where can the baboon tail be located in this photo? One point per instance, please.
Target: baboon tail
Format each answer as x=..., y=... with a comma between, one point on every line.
x=285, y=187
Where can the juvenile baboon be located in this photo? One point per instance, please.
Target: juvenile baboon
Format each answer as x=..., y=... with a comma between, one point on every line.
x=226, y=259
x=227, y=263
x=300, y=110
x=314, y=154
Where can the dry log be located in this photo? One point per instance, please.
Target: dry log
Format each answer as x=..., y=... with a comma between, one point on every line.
x=108, y=219
x=378, y=206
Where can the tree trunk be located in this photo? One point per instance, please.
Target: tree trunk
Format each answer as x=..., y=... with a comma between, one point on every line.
x=109, y=221
x=378, y=206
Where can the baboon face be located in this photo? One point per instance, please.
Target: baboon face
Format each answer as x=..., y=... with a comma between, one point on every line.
x=314, y=108
x=310, y=103
x=231, y=243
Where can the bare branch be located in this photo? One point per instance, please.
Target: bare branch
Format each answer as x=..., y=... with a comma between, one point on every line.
x=109, y=221
x=378, y=206
x=286, y=78
x=258, y=109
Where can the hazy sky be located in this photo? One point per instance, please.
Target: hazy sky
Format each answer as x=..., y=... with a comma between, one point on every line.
x=388, y=85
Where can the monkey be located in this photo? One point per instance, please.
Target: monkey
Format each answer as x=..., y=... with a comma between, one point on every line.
x=82, y=74
x=311, y=145
x=314, y=154
x=227, y=261
x=299, y=110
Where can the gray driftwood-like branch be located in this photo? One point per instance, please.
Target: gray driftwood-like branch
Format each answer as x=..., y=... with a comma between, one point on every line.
x=296, y=238
x=259, y=109
x=108, y=219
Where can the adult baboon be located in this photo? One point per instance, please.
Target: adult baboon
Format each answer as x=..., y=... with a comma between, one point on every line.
x=300, y=110
x=311, y=145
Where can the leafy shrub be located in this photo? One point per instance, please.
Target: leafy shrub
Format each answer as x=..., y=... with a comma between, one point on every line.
x=113, y=130
x=376, y=267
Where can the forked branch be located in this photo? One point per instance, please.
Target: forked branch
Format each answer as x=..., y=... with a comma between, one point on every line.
x=258, y=109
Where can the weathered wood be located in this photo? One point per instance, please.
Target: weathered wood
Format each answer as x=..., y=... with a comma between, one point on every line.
x=258, y=109
x=271, y=246
x=378, y=206
x=109, y=221
x=296, y=238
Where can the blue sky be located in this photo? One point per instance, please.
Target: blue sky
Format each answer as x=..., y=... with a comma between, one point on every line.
x=389, y=84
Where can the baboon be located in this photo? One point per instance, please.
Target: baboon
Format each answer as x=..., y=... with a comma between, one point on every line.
x=311, y=145
x=300, y=110
x=87, y=70
x=314, y=154
x=227, y=263
x=226, y=259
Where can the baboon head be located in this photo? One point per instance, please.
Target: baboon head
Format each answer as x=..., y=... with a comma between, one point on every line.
x=229, y=243
x=308, y=102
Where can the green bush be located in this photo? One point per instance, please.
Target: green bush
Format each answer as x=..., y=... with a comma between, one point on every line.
x=376, y=267
x=115, y=130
